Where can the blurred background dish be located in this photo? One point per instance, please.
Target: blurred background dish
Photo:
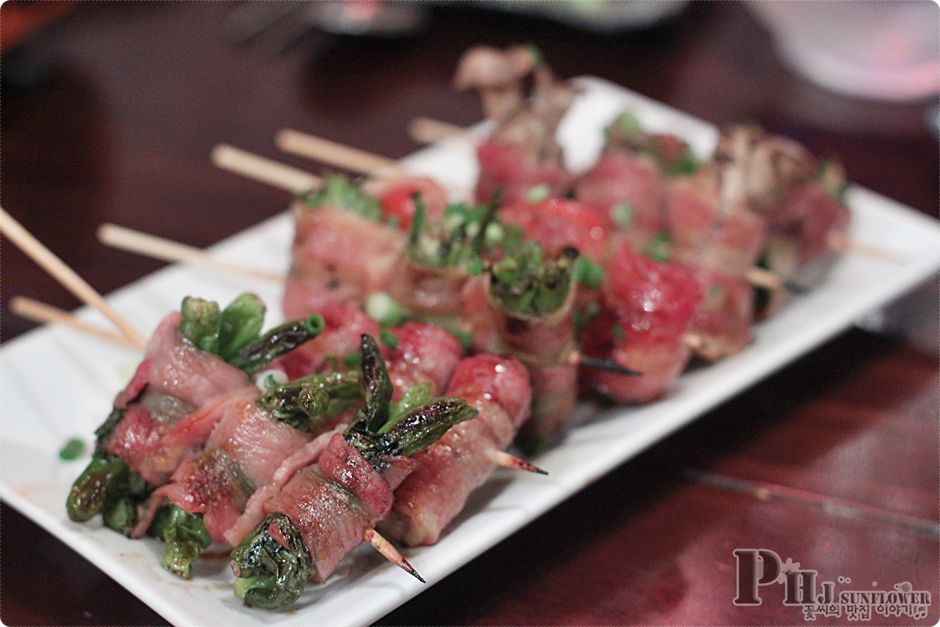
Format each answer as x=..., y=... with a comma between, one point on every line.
x=880, y=50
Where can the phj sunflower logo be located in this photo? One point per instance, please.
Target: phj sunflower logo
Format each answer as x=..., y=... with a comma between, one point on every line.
x=803, y=588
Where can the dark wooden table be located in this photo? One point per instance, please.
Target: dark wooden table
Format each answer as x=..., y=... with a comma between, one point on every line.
x=110, y=114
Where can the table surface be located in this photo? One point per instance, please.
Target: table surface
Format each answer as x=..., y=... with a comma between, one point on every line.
x=110, y=114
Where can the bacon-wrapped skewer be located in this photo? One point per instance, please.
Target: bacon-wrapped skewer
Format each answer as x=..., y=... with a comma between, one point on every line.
x=342, y=251
x=331, y=504
x=649, y=307
x=449, y=470
x=627, y=185
x=192, y=358
x=714, y=227
x=808, y=227
x=522, y=152
x=251, y=436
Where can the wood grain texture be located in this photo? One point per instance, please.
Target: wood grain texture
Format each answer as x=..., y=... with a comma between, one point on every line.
x=127, y=102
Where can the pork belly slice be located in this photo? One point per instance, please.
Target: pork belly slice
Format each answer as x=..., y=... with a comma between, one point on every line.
x=513, y=171
x=628, y=189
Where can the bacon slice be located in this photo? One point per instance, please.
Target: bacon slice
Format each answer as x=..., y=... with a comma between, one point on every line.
x=512, y=171
x=807, y=218
x=339, y=258
x=425, y=353
x=245, y=449
x=449, y=470
x=627, y=186
x=396, y=197
x=344, y=327
x=556, y=223
x=707, y=234
x=722, y=324
x=649, y=308
x=159, y=424
x=334, y=502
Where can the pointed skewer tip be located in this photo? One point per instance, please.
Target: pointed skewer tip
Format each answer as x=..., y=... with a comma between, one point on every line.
x=389, y=552
x=506, y=460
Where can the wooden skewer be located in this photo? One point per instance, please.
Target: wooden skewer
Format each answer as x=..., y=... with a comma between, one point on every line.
x=842, y=242
x=43, y=313
x=760, y=277
x=335, y=154
x=600, y=363
x=264, y=170
x=430, y=131
x=390, y=553
x=67, y=277
x=505, y=460
x=168, y=250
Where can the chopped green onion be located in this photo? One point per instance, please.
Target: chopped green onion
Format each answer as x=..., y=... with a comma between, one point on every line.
x=619, y=335
x=388, y=338
x=494, y=234
x=628, y=123
x=587, y=273
x=385, y=310
x=659, y=247
x=622, y=214
x=72, y=449
x=339, y=192
x=538, y=193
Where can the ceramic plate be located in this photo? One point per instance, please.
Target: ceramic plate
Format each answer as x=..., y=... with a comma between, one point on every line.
x=57, y=384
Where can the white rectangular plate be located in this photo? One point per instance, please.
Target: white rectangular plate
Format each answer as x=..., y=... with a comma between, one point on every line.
x=86, y=373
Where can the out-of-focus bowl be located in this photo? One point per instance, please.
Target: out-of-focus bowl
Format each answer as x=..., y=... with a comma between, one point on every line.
x=881, y=50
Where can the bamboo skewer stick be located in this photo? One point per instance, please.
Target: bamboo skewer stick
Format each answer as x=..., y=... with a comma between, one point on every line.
x=390, y=553
x=759, y=277
x=168, y=250
x=263, y=170
x=67, y=277
x=43, y=313
x=506, y=460
x=426, y=130
x=844, y=243
x=335, y=154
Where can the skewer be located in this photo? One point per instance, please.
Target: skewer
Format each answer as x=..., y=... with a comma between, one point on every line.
x=430, y=131
x=168, y=250
x=333, y=153
x=426, y=130
x=67, y=277
x=600, y=363
x=43, y=313
x=390, y=553
x=506, y=460
x=264, y=170
x=362, y=161
x=843, y=243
